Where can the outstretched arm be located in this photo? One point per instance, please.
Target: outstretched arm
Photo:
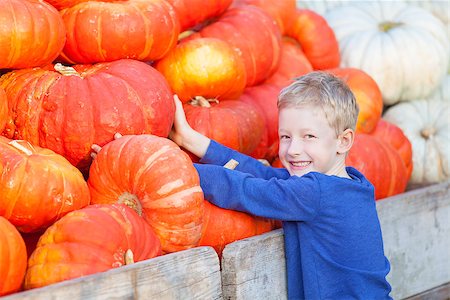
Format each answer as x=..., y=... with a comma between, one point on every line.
x=184, y=135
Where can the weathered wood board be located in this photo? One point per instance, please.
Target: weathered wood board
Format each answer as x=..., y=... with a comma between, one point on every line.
x=189, y=274
x=416, y=232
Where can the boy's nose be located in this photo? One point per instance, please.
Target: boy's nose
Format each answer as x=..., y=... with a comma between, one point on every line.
x=295, y=148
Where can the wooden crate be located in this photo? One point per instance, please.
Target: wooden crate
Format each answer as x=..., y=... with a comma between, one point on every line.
x=416, y=233
x=189, y=274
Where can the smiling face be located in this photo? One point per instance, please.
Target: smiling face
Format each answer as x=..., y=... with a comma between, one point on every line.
x=308, y=142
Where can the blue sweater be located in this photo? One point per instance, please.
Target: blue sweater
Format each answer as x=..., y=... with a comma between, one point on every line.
x=333, y=242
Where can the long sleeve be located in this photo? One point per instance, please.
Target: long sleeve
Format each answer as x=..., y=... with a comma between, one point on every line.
x=218, y=154
x=292, y=199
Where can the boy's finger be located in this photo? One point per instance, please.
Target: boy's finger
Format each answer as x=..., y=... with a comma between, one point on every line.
x=96, y=148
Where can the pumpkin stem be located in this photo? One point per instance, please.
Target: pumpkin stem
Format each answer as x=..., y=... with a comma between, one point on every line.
x=202, y=101
x=132, y=201
x=388, y=25
x=65, y=70
x=185, y=34
x=18, y=146
x=231, y=164
x=129, y=257
x=428, y=132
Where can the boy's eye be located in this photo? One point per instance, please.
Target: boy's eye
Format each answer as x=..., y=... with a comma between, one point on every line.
x=309, y=136
x=284, y=137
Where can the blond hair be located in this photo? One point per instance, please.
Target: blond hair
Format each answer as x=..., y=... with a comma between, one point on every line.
x=326, y=91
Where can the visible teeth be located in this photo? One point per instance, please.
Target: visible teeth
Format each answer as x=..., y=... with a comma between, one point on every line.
x=300, y=164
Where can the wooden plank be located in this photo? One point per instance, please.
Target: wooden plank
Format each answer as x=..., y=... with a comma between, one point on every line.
x=439, y=293
x=254, y=268
x=416, y=233
x=189, y=274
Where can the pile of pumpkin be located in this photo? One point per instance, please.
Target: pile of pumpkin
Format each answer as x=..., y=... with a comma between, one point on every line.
x=75, y=72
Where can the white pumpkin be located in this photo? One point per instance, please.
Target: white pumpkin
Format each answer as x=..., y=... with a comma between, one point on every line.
x=426, y=123
x=404, y=48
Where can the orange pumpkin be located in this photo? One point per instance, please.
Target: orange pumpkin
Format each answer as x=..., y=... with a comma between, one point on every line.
x=13, y=258
x=265, y=97
x=3, y=109
x=282, y=12
x=317, y=39
x=222, y=226
x=380, y=163
x=206, y=67
x=32, y=33
x=37, y=186
x=100, y=31
x=235, y=124
x=68, y=111
x=90, y=240
x=254, y=35
x=293, y=63
x=193, y=12
x=367, y=94
x=156, y=177
x=394, y=136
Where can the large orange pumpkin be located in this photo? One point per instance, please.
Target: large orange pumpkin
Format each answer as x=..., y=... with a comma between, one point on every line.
x=13, y=258
x=380, y=163
x=193, y=12
x=3, y=109
x=154, y=175
x=68, y=111
x=394, y=136
x=90, y=240
x=235, y=124
x=37, y=186
x=265, y=97
x=222, y=226
x=293, y=63
x=367, y=94
x=99, y=31
x=317, y=39
x=206, y=67
x=32, y=33
x=282, y=12
x=255, y=37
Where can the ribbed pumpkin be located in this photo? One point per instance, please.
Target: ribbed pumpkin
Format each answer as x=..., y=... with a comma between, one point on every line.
x=32, y=33
x=193, y=12
x=380, y=163
x=206, y=67
x=235, y=124
x=222, y=226
x=60, y=4
x=90, y=240
x=281, y=11
x=293, y=63
x=156, y=177
x=265, y=96
x=317, y=39
x=426, y=123
x=13, y=258
x=255, y=37
x=367, y=94
x=404, y=48
x=394, y=136
x=99, y=31
x=3, y=109
x=37, y=186
x=68, y=111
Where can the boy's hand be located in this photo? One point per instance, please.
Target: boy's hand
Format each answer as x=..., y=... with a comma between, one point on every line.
x=181, y=126
x=183, y=134
x=96, y=148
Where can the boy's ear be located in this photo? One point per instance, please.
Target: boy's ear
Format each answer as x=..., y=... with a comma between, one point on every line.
x=345, y=141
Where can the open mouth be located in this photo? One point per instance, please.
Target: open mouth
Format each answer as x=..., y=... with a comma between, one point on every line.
x=300, y=164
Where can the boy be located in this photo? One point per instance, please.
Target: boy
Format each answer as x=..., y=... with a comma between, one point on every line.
x=333, y=242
